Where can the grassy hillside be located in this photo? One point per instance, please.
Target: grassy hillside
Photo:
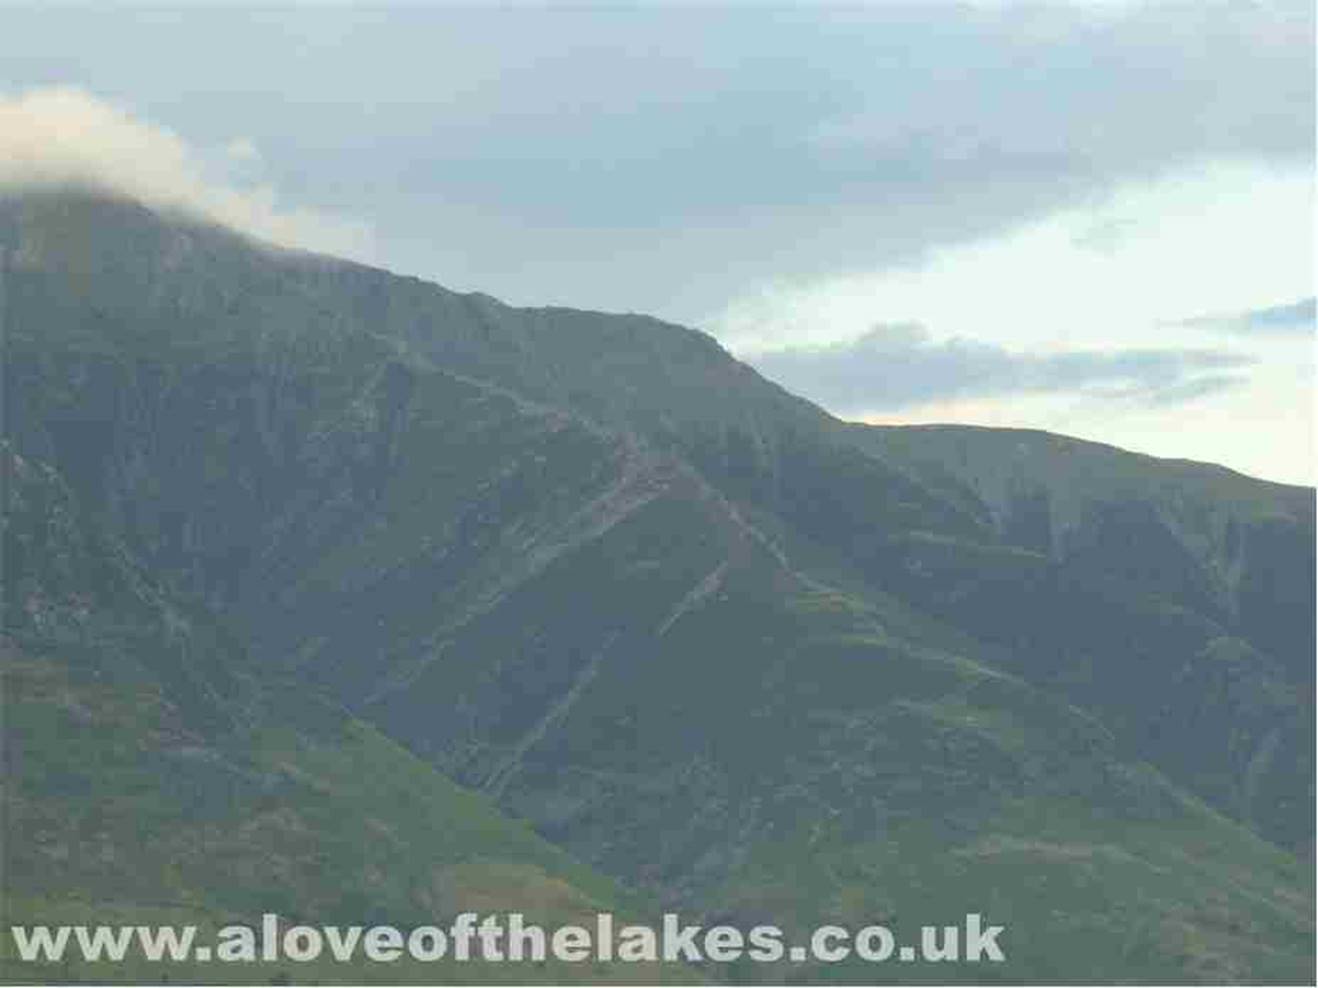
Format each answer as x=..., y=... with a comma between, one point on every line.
x=152, y=776
x=1188, y=579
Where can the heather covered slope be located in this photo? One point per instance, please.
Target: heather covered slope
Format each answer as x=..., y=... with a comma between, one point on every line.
x=694, y=631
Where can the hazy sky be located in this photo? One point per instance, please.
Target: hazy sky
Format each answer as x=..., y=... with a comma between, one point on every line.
x=1094, y=218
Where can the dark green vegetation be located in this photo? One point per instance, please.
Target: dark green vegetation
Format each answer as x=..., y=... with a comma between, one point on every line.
x=309, y=567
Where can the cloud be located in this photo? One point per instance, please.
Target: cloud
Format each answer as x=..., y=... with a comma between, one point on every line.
x=242, y=149
x=672, y=157
x=899, y=365
x=63, y=136
x=1296, y=318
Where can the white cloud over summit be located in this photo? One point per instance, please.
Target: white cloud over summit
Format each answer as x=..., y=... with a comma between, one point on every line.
x=60, y=136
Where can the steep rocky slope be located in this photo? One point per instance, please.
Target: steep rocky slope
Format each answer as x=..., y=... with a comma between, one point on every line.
x=152, y=775
x=1207, y=669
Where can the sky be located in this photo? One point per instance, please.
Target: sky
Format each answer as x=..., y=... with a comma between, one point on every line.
x=1093, y=218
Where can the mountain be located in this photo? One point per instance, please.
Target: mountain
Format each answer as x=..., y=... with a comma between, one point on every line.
x=588, y=574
